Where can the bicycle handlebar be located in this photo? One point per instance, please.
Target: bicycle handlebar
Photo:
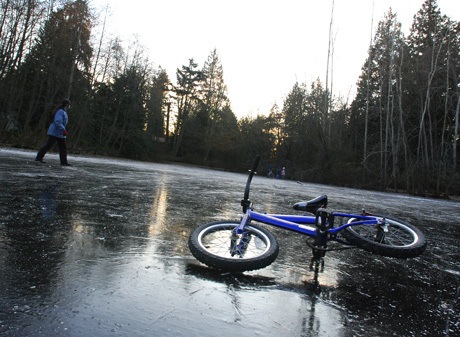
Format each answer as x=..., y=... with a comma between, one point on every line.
x=245, y=202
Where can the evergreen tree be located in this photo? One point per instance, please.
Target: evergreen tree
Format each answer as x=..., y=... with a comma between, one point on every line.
x=188, y=95
x=157, y=104
x=255, y=138
x=306, y=140
x=127, y=134
x=214, y=99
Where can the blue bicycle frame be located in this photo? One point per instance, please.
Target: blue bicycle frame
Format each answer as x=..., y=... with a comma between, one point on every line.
x=299, y=223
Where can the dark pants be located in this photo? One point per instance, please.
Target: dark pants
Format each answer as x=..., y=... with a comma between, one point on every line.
x=49, y=144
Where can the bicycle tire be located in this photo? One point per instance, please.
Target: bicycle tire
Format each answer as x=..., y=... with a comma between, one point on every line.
x=401, y=241
x=210, y=244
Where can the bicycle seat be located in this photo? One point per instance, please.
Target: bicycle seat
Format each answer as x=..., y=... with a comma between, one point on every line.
x=311, y=205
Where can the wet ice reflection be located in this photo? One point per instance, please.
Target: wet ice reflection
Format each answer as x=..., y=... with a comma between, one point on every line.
x=157, y=220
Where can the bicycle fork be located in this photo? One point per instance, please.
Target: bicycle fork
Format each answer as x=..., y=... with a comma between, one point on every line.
x=239, y=248
x=239, y=244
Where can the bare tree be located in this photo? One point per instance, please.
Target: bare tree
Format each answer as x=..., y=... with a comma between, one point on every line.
x=368, y=74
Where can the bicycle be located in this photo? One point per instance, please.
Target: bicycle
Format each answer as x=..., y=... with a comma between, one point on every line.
x=238, y=246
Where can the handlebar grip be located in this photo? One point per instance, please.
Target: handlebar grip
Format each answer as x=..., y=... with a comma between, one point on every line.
x=255, y=164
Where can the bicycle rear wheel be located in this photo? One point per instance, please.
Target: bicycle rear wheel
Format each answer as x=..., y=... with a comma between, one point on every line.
x=402, y=240
x=216, y=245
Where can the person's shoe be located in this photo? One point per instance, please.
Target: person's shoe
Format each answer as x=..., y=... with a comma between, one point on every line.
x=40, y=160
x=66, y=164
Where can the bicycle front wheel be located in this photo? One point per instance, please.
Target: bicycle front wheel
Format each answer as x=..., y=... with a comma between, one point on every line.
x=216, y=245
x=400, y=240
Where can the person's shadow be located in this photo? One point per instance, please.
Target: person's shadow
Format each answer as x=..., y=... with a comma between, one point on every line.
x=48, y=203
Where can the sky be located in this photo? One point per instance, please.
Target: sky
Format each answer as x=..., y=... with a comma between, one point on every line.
x=265, y=46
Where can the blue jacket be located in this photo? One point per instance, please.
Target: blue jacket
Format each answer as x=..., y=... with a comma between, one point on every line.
x=57, y=127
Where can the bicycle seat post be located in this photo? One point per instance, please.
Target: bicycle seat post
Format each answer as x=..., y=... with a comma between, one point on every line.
x=323, y=222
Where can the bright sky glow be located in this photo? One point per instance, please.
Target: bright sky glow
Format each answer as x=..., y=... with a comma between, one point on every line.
x=265, y=46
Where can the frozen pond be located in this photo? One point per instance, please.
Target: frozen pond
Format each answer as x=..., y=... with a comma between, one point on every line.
x=100, y=249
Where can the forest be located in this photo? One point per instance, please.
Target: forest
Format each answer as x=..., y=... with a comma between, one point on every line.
x=399, y=133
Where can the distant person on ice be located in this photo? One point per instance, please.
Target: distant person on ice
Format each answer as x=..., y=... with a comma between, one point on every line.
x=57, y=133
x=270, y=171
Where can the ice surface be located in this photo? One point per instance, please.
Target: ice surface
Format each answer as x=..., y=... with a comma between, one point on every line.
x=100, y=249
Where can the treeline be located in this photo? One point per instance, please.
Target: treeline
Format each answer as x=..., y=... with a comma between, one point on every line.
x=399, y=133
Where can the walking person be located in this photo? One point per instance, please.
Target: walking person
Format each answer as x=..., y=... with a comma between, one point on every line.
x=270, y=171
x=57, y=133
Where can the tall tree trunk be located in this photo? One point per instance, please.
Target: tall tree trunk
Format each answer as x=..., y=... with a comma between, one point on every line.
x=424, y=137
x=366, y=114
x=99, y=48
x=402, y=128
x=456, y=135
x=326, y=92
